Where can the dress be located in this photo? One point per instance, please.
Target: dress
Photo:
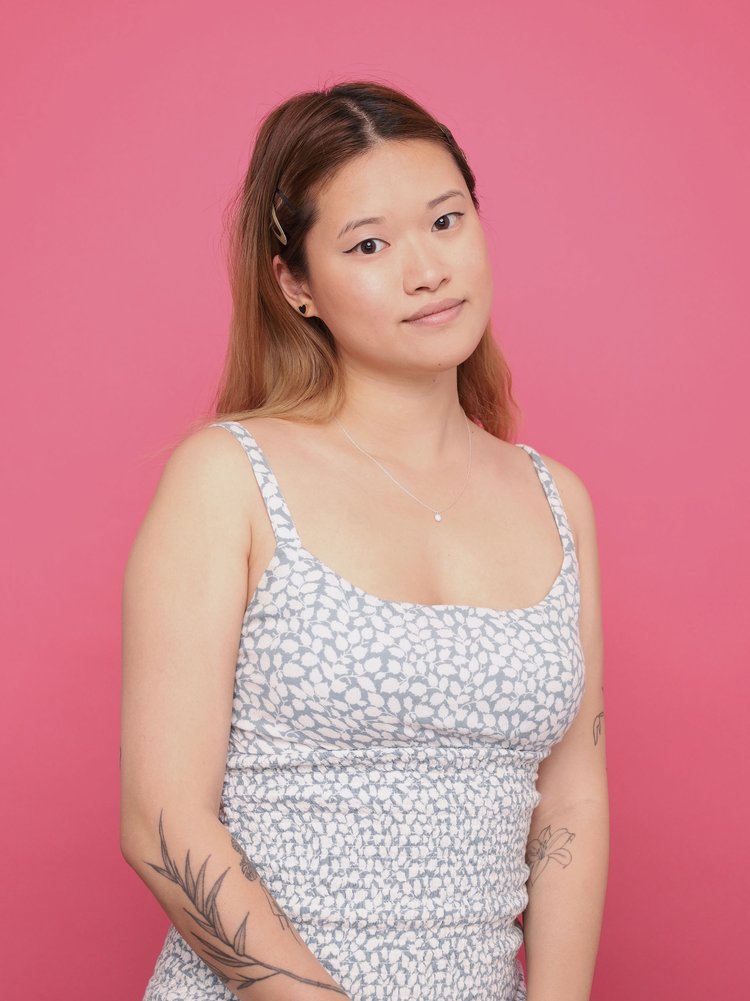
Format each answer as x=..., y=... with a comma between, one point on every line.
x=381, y=772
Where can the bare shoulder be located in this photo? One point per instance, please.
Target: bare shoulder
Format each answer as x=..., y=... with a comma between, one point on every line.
x=575, y=497
x=573, y=491
x=214, y=460
x=281, y=429
x=211, y=459
x=206, y=484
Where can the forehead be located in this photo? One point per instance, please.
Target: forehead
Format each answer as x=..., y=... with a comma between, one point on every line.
x=391, y=177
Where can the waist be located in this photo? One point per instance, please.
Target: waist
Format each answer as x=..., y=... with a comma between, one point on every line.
x=442, y=820
x=250, y=751
x=381, y=885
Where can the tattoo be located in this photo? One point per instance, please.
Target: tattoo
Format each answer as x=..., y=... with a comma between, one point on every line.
x=598, y=727
x=251, y=873
x=221, y=947
x=548, y=846
x=248, y=869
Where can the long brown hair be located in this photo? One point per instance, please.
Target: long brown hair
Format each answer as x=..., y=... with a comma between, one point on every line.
x=278, y=363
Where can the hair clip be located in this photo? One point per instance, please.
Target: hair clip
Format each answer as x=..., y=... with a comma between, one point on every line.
x=292, y=208
x=279, y=232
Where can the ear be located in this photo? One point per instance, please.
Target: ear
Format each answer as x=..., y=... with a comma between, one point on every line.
x=295, y=292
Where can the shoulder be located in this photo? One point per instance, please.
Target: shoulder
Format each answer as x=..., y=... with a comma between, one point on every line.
x=206, y=484
x=573, y=492
x=210, y=458
x=212, y=465
x=216, y=449
x=575, y=498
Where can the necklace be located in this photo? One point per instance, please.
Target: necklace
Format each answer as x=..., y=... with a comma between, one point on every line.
x=438, y=515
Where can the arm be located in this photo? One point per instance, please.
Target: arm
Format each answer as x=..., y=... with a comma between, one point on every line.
x=184, y=596
x=568, y=847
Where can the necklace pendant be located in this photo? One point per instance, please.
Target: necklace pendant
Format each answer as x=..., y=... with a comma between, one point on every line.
x=438, y=517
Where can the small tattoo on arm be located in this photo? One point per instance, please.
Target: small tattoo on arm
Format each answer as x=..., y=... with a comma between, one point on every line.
x=225, y=951
x=598, y=727
x=548, y=846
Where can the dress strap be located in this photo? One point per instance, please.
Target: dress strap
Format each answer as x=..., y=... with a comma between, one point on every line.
x=281, y=519
x=553, y=498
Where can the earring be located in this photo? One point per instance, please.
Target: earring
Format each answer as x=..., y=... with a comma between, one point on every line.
x=303, y=308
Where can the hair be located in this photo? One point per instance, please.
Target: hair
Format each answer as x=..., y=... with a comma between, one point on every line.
x=278, y=363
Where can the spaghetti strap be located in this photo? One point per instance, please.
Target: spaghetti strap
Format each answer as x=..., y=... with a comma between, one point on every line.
x=554, y=499
x=281, y=519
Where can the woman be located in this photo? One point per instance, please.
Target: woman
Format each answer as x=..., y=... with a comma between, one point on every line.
x=362, y=695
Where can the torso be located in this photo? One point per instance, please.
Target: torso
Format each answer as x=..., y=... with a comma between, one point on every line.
x=498, y=547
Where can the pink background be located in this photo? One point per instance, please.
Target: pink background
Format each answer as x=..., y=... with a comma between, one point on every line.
x=610, y=143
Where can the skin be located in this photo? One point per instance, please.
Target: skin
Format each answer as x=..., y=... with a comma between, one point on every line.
x=401, y=378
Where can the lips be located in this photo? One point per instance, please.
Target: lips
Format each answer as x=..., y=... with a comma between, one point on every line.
x=434, y=307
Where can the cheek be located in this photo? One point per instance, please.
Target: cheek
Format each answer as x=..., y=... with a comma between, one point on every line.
x=357, y=305
x=361, y=291
x=478, y=272
x=476, y=258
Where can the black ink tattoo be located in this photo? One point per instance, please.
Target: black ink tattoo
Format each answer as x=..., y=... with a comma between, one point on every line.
x=248, y=869
x=221, y=948
x=546, y=847
x=598, y=727
x=251, y=873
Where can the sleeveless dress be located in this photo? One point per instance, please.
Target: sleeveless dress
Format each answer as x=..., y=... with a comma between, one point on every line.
x=381, y=770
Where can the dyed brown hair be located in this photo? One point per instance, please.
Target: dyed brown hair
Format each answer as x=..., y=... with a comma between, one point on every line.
x=278, y=363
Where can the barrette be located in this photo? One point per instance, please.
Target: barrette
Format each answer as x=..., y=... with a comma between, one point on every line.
x=278, y=230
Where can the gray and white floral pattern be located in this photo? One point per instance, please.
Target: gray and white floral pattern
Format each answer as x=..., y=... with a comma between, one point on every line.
x=382, y=769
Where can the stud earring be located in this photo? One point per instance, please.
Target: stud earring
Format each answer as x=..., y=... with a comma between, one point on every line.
x=303, y=308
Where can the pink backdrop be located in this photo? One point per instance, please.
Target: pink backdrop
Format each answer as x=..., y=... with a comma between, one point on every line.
x=611, y=147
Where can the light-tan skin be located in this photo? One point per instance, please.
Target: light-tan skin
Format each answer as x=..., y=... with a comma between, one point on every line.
x=207, y=538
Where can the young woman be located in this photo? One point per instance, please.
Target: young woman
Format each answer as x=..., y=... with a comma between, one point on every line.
x=362, y=716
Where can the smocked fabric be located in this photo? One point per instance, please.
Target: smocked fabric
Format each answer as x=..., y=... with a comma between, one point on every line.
x=382, y=765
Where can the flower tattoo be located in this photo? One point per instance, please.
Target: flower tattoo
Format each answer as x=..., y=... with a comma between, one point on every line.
x=546, y=847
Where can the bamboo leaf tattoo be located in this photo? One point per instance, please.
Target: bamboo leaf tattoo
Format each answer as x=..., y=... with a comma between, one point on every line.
x=229, y=951
x=598, y=727
x=546, y=848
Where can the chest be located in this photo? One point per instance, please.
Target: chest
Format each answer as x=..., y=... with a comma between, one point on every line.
x=322, y=662
x=503, y=551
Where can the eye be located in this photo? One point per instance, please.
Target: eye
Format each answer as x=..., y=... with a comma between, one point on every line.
x=447, y=216
x=371, y=239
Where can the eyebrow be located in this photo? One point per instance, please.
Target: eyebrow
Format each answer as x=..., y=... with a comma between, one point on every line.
x=376, y=219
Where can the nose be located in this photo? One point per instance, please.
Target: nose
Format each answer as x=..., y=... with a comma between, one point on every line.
x=423, y=265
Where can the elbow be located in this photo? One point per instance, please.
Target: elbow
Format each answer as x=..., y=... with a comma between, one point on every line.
x=141, y=825
x=137, y=827
x=130, y=837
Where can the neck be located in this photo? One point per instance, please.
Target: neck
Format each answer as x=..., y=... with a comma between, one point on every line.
x=417, y=428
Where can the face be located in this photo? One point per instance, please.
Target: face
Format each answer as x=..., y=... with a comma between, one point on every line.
x=421, y=241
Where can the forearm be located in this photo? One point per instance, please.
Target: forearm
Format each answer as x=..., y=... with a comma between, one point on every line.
x=568, y=855
x=220, y=905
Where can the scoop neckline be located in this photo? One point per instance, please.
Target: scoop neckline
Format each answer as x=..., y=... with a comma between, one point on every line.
x=377, y=602
x=418, y=606
x=296, y=548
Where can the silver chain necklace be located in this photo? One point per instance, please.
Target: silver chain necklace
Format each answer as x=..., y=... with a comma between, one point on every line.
x=438, y=515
